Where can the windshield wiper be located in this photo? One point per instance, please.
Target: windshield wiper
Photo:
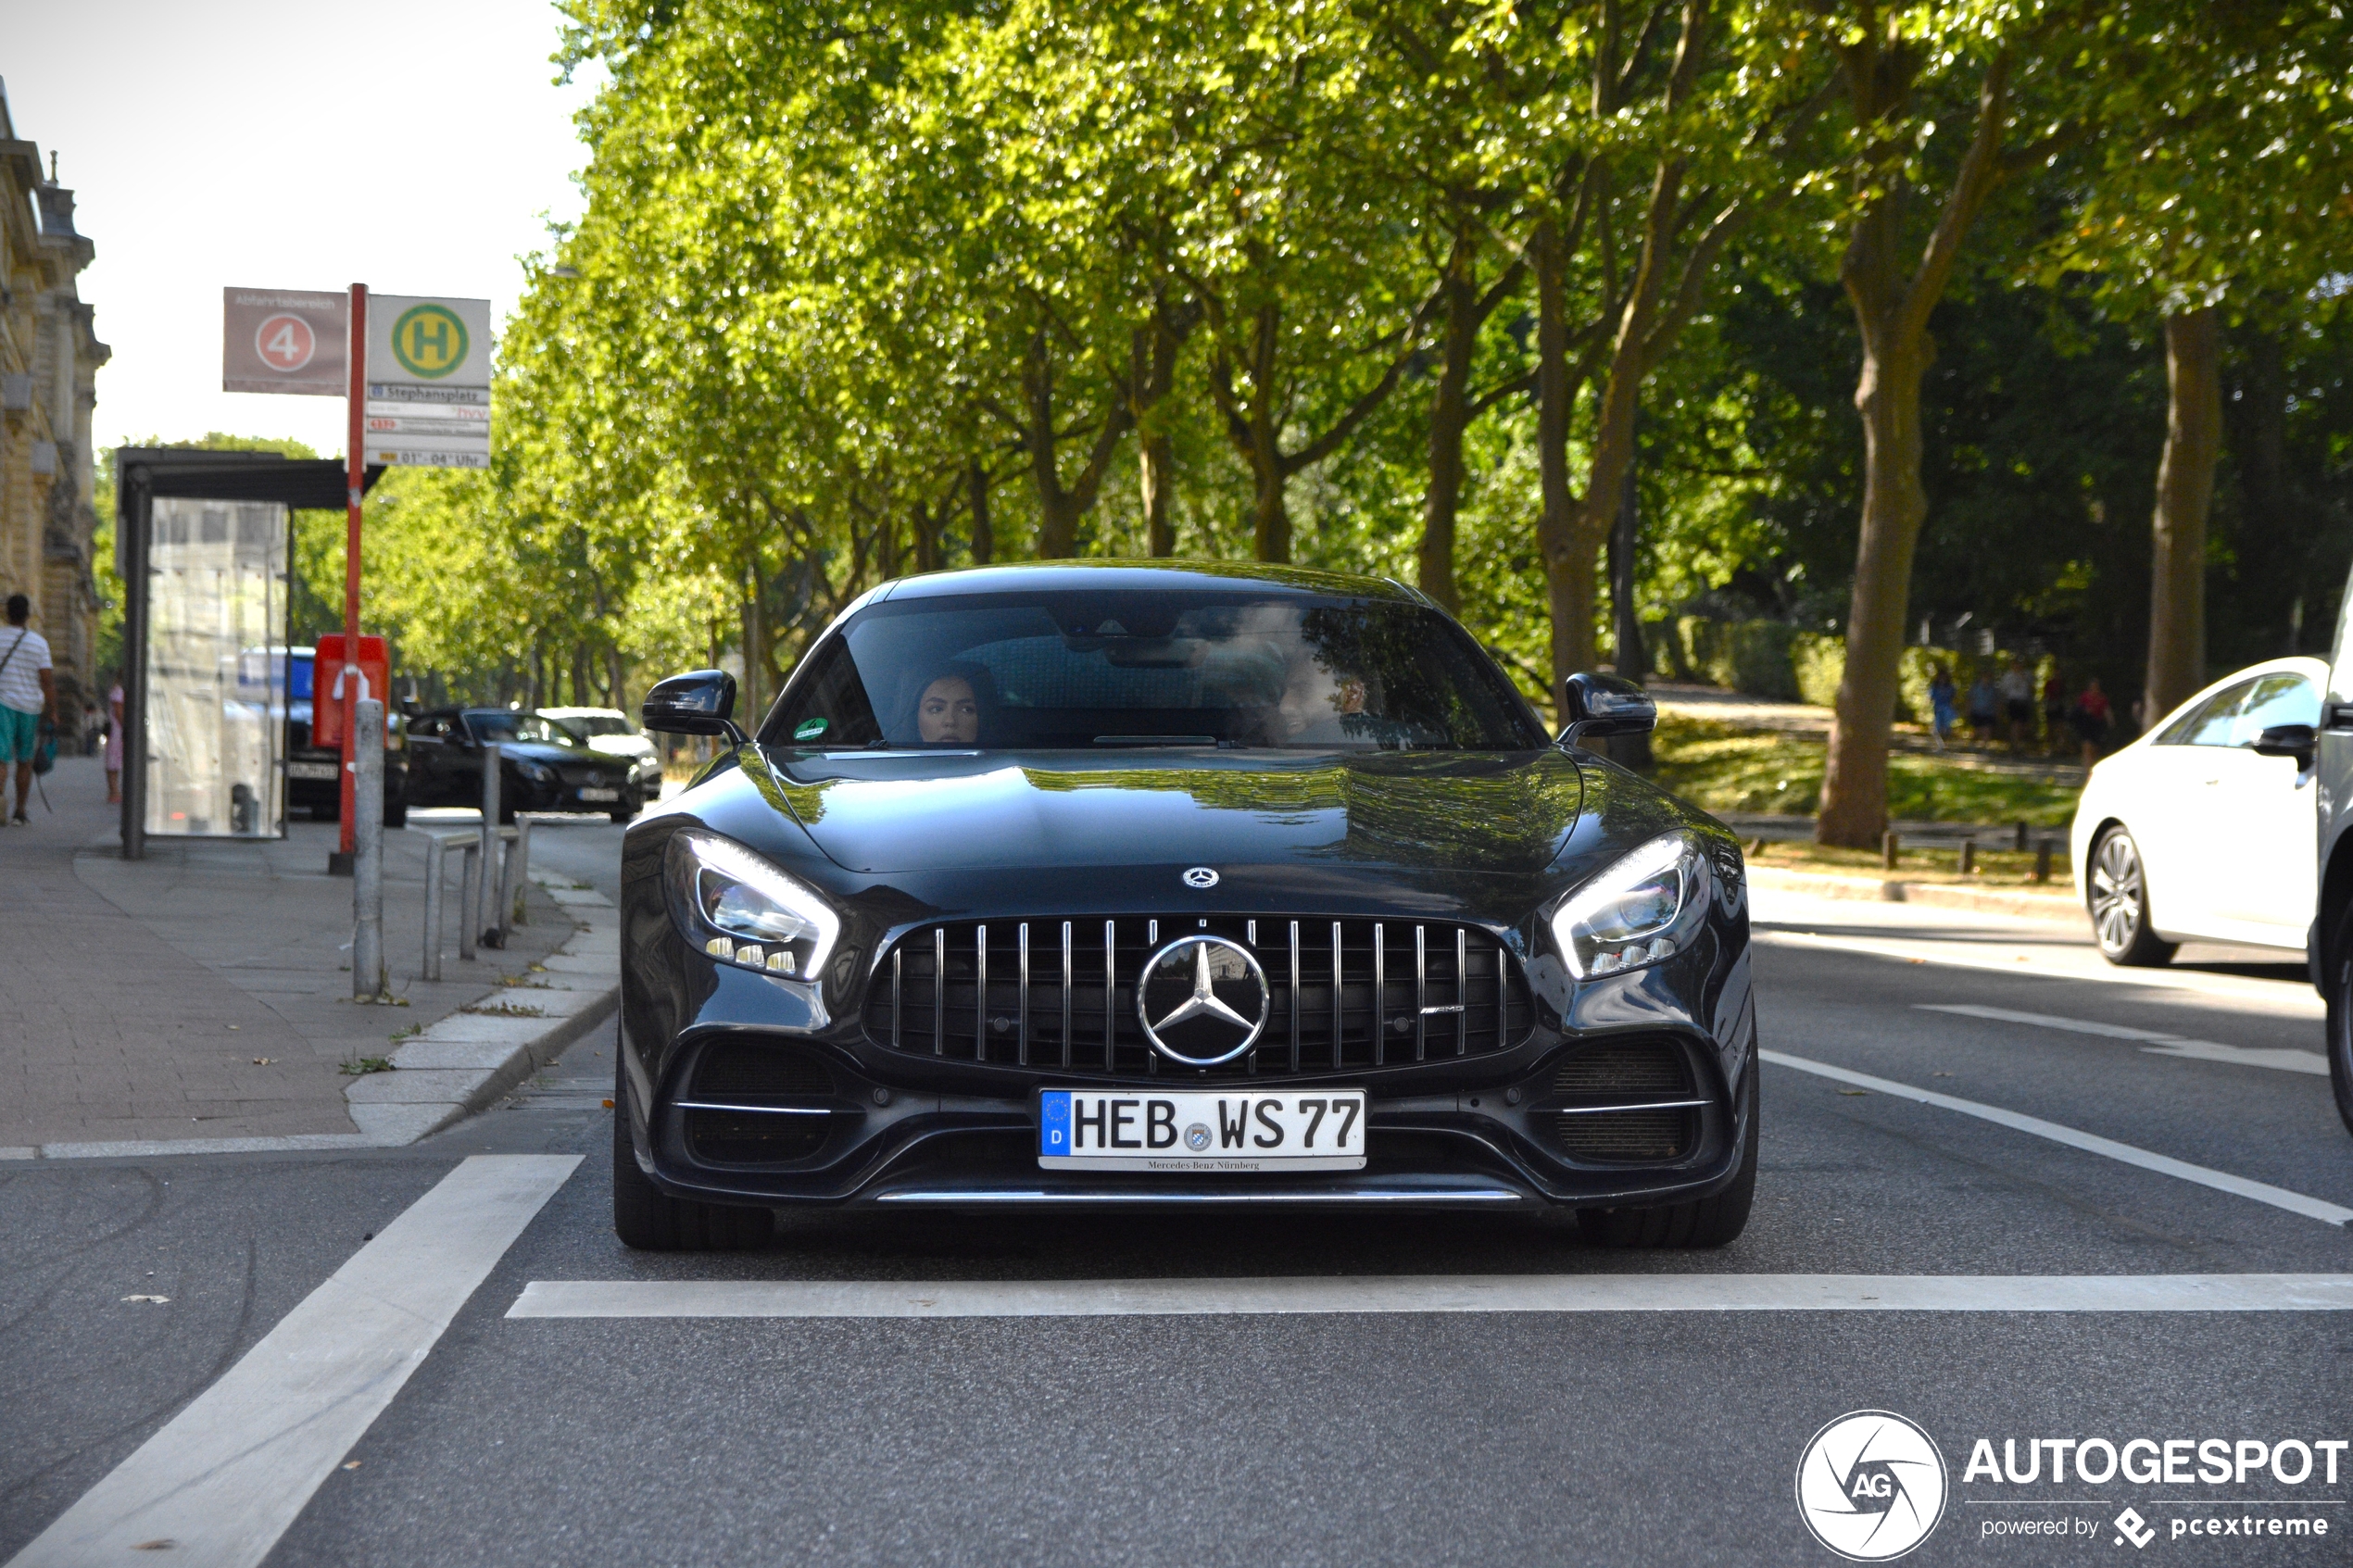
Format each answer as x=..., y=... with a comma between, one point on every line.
x=1210, y=741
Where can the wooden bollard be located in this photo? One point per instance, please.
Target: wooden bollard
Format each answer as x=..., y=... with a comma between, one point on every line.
x=1891, y=846
x=1969, y=857
x=2043, y=860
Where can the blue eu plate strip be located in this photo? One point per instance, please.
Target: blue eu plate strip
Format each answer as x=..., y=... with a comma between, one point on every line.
x=1053, y=1123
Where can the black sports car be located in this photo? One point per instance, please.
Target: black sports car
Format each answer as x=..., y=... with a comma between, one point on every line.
x=544, y=765
x=1176, y=885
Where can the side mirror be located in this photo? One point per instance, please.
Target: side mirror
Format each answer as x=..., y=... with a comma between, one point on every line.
x=1594, y=705
x=700, y=702
x=2288, y=740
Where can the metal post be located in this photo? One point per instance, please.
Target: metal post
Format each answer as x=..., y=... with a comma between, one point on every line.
x=468, y=896
x=520, y=855
x=434, y=852
x=355, y=465
x=509, y=878
x=478, y=911
x=368, y=862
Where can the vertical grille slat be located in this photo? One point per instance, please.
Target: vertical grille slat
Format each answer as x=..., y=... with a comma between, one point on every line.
x=1294, y=996
x=949, y=995
x=1066, y=994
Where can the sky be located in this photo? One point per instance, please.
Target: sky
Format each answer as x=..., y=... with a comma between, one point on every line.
x=262, y=144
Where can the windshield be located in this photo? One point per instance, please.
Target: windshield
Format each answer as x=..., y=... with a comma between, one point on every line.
x=502, y=724
x=1078, y=669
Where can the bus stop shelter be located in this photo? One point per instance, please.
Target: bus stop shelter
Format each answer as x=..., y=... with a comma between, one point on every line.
x=203, y=542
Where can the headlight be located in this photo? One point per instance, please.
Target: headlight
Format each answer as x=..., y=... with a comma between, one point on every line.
x=537, y=772
x=740, y=910
x=1640, y=910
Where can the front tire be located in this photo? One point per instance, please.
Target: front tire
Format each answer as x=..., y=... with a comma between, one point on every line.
x=649, y=1219
x=2117, y=893
x=2340, y=1020
x=1713, y=1220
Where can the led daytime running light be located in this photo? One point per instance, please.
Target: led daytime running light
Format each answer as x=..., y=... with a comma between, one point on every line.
x=1632, y=914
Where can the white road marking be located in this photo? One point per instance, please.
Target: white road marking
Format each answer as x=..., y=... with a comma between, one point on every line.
x=2091, y=1143
x=2006, y=955
x=224, y=1477
x=1439, y=1293
x=2162, y=1044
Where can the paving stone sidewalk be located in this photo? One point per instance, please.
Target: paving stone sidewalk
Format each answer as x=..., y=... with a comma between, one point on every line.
x=204, y=993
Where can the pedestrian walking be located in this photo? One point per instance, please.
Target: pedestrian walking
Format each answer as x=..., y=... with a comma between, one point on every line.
x=27, y=697
x=2054, y=709
x=2017, y=704
x=2091, y=717
x=114, y=745
x=1985, y=710
x=1943, y=704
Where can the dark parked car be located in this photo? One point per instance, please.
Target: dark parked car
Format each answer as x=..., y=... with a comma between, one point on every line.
x=544, y=766
x=314, y=773
x=1165, y=885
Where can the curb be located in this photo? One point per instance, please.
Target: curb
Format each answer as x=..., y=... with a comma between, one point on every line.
x=455, y=1067
x=467, y=1061
x=2056, y=906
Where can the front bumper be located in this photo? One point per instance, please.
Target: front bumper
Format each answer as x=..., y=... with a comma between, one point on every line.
x=859, y=1141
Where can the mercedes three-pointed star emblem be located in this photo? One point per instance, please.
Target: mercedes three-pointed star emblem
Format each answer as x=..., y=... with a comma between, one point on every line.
x=1205, y=1018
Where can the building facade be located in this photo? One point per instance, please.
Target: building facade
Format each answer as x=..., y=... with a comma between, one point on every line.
x=49, y=360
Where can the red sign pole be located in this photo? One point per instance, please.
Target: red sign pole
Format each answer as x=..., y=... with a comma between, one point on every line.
x=347, y=679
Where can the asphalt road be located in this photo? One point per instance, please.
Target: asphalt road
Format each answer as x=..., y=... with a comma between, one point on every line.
x=1393, y=1435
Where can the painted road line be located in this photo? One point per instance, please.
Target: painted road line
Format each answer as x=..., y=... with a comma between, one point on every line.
x=2091, y=1143
x=2160, y=1043
x=223, y=1478
x=2051, y=960
x=1435, y=1293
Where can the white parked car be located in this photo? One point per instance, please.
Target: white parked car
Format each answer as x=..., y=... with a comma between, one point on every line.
x=2195, y=832
x=616, y=735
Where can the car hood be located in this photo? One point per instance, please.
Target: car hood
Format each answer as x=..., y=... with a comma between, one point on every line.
x=1508, y=813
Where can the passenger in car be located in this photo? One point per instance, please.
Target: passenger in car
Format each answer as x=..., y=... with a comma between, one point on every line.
x=948, y=713
x=1317, y=704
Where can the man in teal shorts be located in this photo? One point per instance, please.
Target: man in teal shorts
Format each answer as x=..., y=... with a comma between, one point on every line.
x=27, y=693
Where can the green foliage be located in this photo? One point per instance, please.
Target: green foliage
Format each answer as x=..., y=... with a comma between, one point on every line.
x=1722, y=768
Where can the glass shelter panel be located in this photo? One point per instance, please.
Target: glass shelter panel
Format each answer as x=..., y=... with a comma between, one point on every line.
x=216, y=667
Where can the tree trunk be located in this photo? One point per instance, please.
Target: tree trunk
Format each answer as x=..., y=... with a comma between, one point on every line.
x=984, y=545
x=1853, y=808
x=1155, y=475
x=1448, y=416
x=1624, y=614
x=1156, y=452
x=1270, y=510
x=1571, y=606
x=2184, y=492
x=1057, y=517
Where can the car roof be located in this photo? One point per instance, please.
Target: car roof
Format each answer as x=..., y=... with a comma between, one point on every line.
x=581, y=712
x=1150, y=576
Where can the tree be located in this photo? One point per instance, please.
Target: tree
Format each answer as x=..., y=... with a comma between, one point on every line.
x=1905, y=69
x=2226, y=203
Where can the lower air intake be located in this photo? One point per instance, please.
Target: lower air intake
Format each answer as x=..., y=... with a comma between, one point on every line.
x=1626, y=1102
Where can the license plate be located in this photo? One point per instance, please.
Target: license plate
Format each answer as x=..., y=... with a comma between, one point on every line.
x=600, y=794
x=310, y=770
x=1191, y=1131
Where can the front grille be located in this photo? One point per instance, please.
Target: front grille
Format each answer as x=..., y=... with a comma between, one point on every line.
x=1625, y=1101
x=732, y=1080
x=1347, y=994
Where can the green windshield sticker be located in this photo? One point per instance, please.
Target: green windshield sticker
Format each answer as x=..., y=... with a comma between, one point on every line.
x=809, y=728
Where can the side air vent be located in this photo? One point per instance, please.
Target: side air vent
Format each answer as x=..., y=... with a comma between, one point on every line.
x=1626, y=1102
x=752, y=1103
